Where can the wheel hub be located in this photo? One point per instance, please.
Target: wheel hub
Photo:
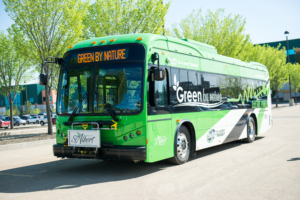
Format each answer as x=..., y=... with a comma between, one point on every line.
x=182, y=145
x=251, y=130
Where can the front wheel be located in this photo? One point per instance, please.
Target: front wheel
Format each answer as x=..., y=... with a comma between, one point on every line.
x=27, y=122
x=17, y=124
x=182, y=147
x=251, y=131
x=42, y=123
x=37, y=121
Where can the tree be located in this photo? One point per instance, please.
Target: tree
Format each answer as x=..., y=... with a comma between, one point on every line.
x=37, y=111
x=297, y=55
x=275, y=61
x=27, y=108
x=295, y=78
x=50, y=27
x=13, y=67
x=112, y=17
x=225, y=33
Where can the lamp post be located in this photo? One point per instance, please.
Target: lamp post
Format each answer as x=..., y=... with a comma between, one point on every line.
x=287, y=51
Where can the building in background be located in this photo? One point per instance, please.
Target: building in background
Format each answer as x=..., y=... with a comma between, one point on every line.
x=34, y=93
x=284, y=93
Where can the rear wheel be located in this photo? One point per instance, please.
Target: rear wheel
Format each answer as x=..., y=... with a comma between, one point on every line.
x=182, y=147
x=42, y=123
x=37, y=121
x=27, y=122
x=251, y=131
x=17, y=124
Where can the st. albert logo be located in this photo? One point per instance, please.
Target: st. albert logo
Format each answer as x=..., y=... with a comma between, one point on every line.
x=160, y=140
x=194, y=98
x=211, y=135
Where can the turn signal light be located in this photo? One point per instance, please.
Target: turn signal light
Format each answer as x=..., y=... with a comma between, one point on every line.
x=163, y=53
x=102, y=41
x=178, y=120
x=112, y=40
x=138, y=132
x=139, y=38
x=70, y=47
x=94, y=42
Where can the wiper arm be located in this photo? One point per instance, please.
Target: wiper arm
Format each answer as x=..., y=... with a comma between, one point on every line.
x=78, y=107
x=107, y=107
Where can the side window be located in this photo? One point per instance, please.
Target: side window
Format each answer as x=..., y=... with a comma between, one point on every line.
x=211, y=91
x=223, y=86
x=175, y=85
x=234, y=87
x=161, y=92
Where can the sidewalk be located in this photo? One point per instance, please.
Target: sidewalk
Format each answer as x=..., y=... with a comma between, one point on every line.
x=280, y=105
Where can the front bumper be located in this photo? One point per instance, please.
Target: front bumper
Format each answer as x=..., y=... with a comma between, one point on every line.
x=105, y=153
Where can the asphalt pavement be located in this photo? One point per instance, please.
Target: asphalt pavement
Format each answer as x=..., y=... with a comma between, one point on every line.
x=269, y=168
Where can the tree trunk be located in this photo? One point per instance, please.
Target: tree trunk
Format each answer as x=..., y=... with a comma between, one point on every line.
x=49, y=118
x=276, y=98
x=11, y=115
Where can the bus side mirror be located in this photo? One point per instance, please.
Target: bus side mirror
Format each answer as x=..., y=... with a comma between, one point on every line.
x=43, y=78
x=159, y=74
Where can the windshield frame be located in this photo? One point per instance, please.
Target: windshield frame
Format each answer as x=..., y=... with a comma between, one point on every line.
x=93, y=65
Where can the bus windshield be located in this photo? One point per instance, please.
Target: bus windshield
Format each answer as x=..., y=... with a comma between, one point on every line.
x=119, y=85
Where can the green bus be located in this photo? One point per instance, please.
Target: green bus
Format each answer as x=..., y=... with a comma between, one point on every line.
x=147, y=97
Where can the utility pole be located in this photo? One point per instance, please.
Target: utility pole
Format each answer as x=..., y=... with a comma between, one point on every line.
x=288, y=56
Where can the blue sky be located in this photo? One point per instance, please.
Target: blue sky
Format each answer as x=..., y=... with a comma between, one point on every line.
x=266, y=19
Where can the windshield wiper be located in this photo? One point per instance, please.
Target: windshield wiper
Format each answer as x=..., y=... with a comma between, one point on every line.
x=78, y=107
x=107, y=107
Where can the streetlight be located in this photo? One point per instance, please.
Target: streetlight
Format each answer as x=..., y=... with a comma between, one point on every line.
x=287, y=50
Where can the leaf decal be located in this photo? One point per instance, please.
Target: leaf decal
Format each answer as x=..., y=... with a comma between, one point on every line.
x=174, y=87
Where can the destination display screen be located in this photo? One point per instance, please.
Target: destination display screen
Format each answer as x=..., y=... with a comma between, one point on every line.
x=99, y=56
x=105, y=54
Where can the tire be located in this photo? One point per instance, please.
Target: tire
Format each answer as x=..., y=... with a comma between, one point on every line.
x=42, y=123
x=17, y=124
x=251, y=131
x=27, y=122
x=37, y=121
x=182, y=146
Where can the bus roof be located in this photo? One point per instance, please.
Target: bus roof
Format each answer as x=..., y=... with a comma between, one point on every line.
x=147, y=39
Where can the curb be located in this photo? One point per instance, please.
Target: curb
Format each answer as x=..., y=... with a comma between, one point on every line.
x=26, y=144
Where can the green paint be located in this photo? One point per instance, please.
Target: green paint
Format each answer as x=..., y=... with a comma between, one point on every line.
x=187, y=54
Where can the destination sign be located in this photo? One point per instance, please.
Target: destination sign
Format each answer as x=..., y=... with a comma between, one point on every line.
x=109, y=55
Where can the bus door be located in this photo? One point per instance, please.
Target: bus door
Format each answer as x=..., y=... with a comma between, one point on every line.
x=160, y=140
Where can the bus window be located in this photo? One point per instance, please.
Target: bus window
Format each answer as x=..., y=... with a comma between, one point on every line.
x=223, y=86
x=161, y=92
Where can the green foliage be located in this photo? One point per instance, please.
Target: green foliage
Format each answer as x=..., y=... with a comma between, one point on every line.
x=295, y=77
x=225, y=33
x=49, y=26
x=16, y=111
x=297, y=55
x=14, y=65
x=274, y=59
x=112, y=17
x=36, y=111
x=27, y=108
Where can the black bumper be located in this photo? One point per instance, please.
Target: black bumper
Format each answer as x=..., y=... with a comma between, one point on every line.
x=105, y=153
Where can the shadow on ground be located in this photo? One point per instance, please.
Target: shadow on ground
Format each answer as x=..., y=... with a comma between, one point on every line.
x=72, y=173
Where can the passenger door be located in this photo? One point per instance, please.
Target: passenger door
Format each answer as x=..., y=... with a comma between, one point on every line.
x=160, y=140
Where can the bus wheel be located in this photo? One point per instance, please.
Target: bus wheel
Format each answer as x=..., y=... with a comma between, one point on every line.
x=182, y=147
x=251, y=131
